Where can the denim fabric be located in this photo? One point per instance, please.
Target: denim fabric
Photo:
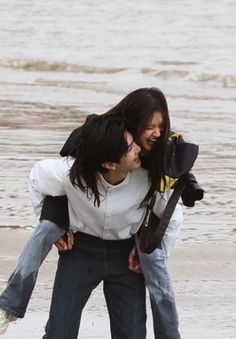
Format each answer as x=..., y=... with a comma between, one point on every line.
x=158, y=282
x=91, y=261
x=15, y=298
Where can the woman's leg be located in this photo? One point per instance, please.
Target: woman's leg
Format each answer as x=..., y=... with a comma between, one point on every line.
x=15, y=298
x=158, y=282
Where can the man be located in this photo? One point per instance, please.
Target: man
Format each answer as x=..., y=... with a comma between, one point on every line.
x=105, y=173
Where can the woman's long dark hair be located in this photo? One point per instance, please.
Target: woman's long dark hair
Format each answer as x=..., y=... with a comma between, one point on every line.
x=137, y=110
x=102, y=139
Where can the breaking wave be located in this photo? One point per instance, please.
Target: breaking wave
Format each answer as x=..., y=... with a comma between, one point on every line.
x=46, y=66
x=225, y=80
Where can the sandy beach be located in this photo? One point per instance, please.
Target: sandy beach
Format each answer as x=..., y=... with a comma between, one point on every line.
x=203, y=277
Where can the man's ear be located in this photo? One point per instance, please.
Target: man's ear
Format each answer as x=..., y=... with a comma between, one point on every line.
x=110, y=166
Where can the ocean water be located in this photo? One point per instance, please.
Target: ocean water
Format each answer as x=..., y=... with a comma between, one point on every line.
x=61, y=60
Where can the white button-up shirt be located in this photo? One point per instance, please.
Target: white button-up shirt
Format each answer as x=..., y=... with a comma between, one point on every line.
x=117, y=217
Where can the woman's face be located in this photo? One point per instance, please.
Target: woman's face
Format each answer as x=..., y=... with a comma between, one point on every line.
x=151, y=132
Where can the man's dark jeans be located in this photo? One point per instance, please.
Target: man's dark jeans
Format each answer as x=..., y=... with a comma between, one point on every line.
x=79, y=271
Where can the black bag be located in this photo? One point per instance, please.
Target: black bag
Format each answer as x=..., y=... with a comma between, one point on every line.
x=153, y=228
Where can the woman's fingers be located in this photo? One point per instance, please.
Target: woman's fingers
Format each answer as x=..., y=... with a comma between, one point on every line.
x=134, y=263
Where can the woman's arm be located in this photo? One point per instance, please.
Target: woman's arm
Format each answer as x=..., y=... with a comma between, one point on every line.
x=172, y=231
x=70, y=145
x=168, y=232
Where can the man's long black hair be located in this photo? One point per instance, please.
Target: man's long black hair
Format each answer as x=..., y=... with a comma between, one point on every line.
x=101, y=140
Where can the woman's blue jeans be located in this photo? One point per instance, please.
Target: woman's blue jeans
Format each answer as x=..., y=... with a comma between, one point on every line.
x=91, y=261
x=162, y=298
x=15, y=298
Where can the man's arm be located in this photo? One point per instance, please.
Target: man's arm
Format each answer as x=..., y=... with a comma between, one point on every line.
x=46, y=178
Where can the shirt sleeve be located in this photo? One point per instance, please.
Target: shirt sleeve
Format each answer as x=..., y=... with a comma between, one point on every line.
x=47, y=178
x=160, y=204
x=174, y=226
x=172, y=231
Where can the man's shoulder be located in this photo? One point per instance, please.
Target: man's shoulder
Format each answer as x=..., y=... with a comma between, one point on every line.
x=55, y=165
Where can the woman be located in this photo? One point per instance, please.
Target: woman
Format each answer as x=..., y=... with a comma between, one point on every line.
x=146, y=114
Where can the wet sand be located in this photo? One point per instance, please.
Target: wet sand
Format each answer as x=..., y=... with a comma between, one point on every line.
x=203, y=277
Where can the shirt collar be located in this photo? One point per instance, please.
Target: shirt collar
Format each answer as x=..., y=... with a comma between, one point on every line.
x=108, y=186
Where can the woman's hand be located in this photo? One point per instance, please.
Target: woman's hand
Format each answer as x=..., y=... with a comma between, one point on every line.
x=66, y=242
x=134, y=263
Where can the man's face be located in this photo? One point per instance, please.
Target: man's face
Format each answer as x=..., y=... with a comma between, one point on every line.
x=130, y=160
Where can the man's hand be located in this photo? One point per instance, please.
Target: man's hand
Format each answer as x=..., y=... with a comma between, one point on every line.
x=66, y=242
x=134, y=263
